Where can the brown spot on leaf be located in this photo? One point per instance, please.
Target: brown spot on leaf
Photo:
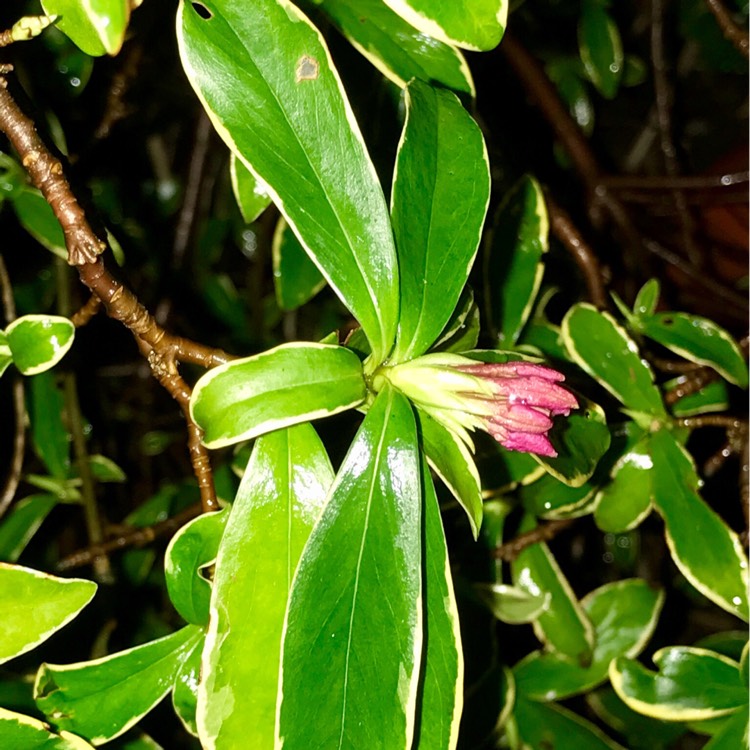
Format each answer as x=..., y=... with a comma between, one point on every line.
x=307, y=69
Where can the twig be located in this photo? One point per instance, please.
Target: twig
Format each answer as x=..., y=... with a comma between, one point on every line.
x=82, y=316
x=690, y=383
x=542, y=533
x=675, y=182
x=711, y=420
x=737, y=36
x=132, y=538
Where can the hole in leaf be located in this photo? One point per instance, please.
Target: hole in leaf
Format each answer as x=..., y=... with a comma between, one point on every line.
x=667, y=321
x=202, y=11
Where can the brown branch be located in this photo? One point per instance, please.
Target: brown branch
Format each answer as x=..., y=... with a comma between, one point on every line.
x=82, y=316
x=711, y=420
x=736, y=35
x=675, y=182
x=542, y=533
x=566, y=231
x=690, y=383
x=137, y=537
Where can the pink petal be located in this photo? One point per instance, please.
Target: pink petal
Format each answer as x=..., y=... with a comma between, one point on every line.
x=529, y=443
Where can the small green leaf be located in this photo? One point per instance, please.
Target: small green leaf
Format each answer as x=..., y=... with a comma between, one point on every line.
x=21, y=523
x=282, y=110
x=699, y=340
x=396, y=48
x=624, y=615
x=707, y=552
x=564, y=627
x=600, y=47
x=471, y=24
x=566, y=75
x=279, y=499
x=514, y=259
x=49, y=432
x=647, y=299
x=96, y=26
x=452, y=462
x=605, y=351
x=691, y=684
x=511, y=604
x=105, y=469
x=103, y=698
x=185, y=693
x=358, y=584
x=440, y=195
x=35, y=605
x=192, y=548
x=284, y=386
x=39, y=220
x=548, y=497
x=39, y=342
x=296, y=278
x=250, y=193
x=26, y=733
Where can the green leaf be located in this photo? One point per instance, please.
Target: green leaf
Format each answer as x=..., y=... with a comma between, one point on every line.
x=192, y=548
x=564, y=627
x=548, y=497
x=353, y=631
x=35, y=605
x=296, y=278
x=396, y=48
x=96, y=26
x=647, y=299
x=713, y=397
x=511, y=604
x=581, y=440
x=49, y=433
x=39, y=342
x=691, y=684
x=452, y=462
x=624, y=615
x=21, y=523
x=26, y=733
x=250, y=193
x=103, y=698
x=279, y=499
x=605, y=351
x=626, y=500
x=441, y=691
x=707, y=552
x=39, y=220
x=471, y=24
x=514, y=259
x=105, y=469
x=440, y=195
x=185, y=693
x=281, y=109
x=462, y=324
x=699, y=340
x=289, y=384
x=566, y=75
x=600, y=47
x=543, y=725
x=734, y=734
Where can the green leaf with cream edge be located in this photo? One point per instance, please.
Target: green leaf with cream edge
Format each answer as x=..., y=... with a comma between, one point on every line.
x=284, y=386
x=281, y=495
x=95, y=26
x=359, y=583
x=282, y=110
x=20, y=731
x=472, y=24
x=441, y=167
x=250, y=193
x=38, y=342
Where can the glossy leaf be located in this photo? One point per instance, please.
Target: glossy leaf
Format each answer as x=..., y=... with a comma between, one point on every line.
x=624, y=615
x=396, y=48
x=581, y=439
x=647, y=299
x=441, y=690
x=713, y=397
x=511, y=604
x=279, y=499
x=441, y=190
x=454, y=464
x=564, y=627
x=691, y=684
x=296, y=278
x=96, y=26
x=185, y=693
x=514, y=259
x=542, y=725
x=458, y=323
x=103, y=698
x=471, y=24
x=733, y=734
x=359, y=583
x=626, y=500
x=49, y=433
x=21, y=523
x=706, y=551
x=547, y=497
x=35, y=605
x=600, y=47
x=281, y=108
x=250, y=193
x=193, y=547
x=27, y=733
x=698, y=340
x=283, y=386
x=38, y=342
x=605, y=351
x=39, y=220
